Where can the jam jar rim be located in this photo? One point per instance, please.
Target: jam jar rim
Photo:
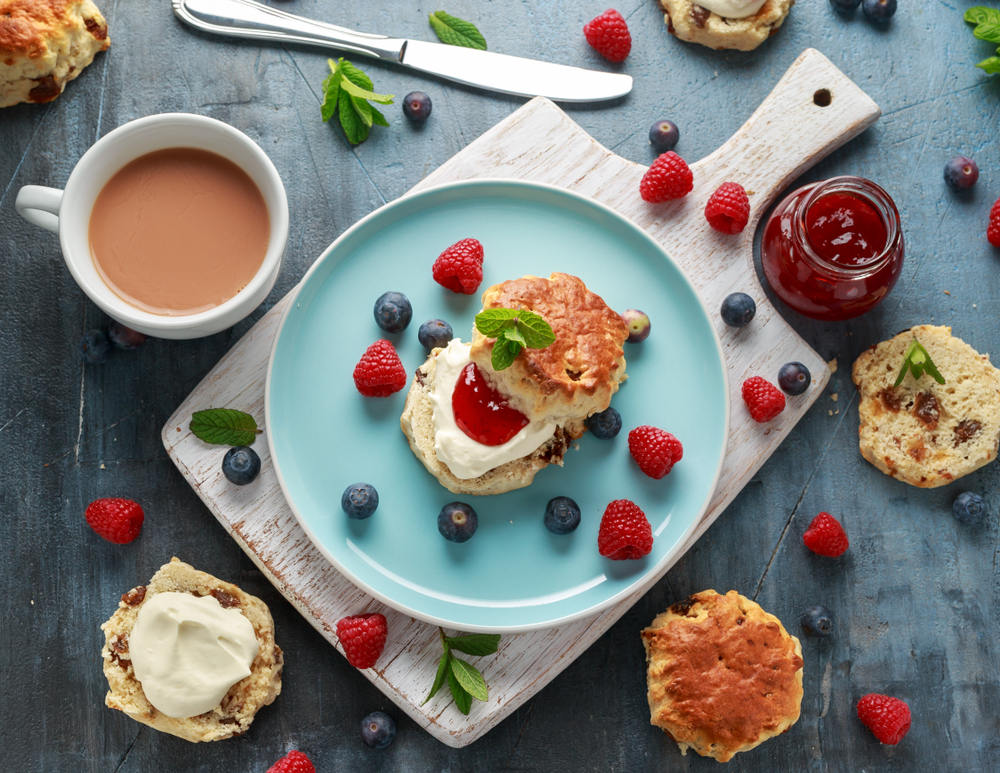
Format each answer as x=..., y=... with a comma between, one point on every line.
x=872, y=193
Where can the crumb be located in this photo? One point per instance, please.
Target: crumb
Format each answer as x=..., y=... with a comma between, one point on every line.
x=834, y=396
x=32, y=602
x=832, y=365
x=102, y=465
x=947, y=293
x=829, y=413
x=751, y=193
x=836, y=412
x=974, y=306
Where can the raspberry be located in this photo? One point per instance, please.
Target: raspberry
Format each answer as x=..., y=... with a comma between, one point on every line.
x=460, y=267
x=379, y=373
x=117, y=520
x=363, y=638
x=293, y=762
x=668, y=178
x=825, y=536
x=608, y=34
x=654, y=450
x=993, y=231
x=728, y=209
x=763, y=399
x=624, y=532
x=888, y=718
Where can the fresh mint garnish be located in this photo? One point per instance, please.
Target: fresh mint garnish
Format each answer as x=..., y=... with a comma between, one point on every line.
x=987, y=21
x=513, y=330
x=457, y=32
x=464, y=679
x=346, y=94
x=224, y=427
x=917, y=361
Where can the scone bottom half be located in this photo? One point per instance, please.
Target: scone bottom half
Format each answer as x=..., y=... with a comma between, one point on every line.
x=238, y=708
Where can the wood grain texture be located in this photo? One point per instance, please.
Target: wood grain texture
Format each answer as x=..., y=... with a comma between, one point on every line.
x=917, y=597
x=539, y=142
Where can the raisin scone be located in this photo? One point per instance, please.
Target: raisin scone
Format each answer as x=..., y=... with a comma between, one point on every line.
x=751, y=21
x=921, y=432
x=240, y=703
x=723, y=675
x=44, y=44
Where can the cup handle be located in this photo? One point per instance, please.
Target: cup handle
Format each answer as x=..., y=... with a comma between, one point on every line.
x=40, y=206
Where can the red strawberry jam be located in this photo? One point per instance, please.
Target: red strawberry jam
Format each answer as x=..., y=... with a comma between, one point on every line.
x=845, y=229
x=481, y=412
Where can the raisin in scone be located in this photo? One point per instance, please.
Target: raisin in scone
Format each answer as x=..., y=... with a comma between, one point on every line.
x=238, y=707
x=709, y=26
x=921, y=432
x=723, y=675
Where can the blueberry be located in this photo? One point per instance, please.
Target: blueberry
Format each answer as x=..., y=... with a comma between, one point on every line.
x=845, y=6
x=457, y=522
x=95, y=347
x=359, y=500
x=663, y=135
x=241, y=465
x=817, y=621
x=961, y=173
x=638, y=325
x=968, y=508
x=378, y=730
x=393, y=312
x=435, y=333
x=738, y=309
x=605, y=425
x=417, y=106
x=562, y=515
x=794, y=378
x=125, y=337
x=879, y=11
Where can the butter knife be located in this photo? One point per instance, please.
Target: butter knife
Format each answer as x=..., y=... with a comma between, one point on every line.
x=485, y=69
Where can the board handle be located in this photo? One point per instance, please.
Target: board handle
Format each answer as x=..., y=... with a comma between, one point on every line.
x=812, y=111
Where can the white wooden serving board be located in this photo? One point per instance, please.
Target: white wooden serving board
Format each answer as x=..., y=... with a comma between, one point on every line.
x=789, y=133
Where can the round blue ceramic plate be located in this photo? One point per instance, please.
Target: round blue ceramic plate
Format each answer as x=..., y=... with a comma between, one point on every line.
x=513, y=575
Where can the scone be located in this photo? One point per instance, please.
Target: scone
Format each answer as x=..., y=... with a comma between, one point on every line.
x=697, y=24
x=240, y=705
x=46, y=44
x=723, y=675
x=921, y=432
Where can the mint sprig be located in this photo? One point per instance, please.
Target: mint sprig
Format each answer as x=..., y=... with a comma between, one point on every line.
x=987, y=21
x=513, y=329
x=224, y=426
x=464, y=680
x=346, y=94
x=457, y=32
x=917, y=361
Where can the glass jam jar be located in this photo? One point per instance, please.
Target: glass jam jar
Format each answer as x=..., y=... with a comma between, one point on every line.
x=833, y=250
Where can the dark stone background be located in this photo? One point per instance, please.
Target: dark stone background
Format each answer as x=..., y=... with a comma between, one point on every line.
x=917, y=597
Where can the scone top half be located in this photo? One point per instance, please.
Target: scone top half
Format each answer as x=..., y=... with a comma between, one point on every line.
x=572, y=378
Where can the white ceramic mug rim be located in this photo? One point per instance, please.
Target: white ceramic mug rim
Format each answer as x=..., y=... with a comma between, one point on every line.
x=103, y=295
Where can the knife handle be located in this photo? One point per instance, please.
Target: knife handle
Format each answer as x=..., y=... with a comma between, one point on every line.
x=247, y=19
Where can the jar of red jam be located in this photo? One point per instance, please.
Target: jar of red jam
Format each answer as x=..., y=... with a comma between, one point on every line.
x=834, y=249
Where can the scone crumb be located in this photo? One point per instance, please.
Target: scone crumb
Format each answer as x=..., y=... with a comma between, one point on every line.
x=832, y=365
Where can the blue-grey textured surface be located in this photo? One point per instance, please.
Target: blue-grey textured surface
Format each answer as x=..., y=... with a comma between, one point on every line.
x=917, y=597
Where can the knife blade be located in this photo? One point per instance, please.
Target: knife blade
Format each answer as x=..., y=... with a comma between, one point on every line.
x=484, y=69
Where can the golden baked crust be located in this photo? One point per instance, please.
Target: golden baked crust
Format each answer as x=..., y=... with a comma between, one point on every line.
x=44, y=44
x=240, y=705
x=921, y=432
x=689, y=21
x=575, y=376
x=723, y=674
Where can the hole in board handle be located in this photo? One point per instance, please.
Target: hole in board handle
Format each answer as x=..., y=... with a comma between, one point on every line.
x=822, y=98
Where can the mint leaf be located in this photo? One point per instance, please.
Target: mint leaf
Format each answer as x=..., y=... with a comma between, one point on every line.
x=475, y=644
x=224, y=427
x=360, y=93
x=512, y=336
x=991, y=65
x=469, y=677
x=354, y=128
x=363, y=109
x=492, y=322
x=457, y=32
x=463, y=701
x=537, y=333
x=354, y=75
x=987, y=21
x=346, y=92
x=442, y=674
x=331, y=91
x=377, y=118
x=917, y=360
x=503, y=356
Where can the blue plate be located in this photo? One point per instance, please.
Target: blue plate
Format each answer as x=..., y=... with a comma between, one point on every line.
x=513, y=575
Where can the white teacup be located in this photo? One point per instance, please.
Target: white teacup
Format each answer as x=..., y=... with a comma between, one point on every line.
x=67, y=213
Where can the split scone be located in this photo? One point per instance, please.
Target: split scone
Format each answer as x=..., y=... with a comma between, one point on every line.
x=725, y=24
x=723, y=675
x=921, y=432
x=44, y=44
x=551, y=390
x=184, y=634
